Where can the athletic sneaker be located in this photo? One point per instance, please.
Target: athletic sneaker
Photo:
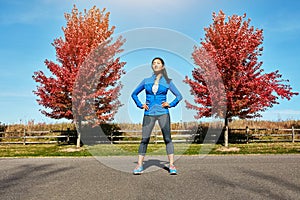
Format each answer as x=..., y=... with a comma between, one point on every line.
x=138, y=171
x=172, y=170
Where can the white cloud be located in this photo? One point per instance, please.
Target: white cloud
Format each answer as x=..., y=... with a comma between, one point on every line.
x=285, y=114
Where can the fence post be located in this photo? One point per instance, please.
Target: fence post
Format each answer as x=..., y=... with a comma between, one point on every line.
x=247, y=134
x=24, y=138
x=111, y=137
x=293, y=134
x=226, y=136
x=68, y=135
x=155, y=134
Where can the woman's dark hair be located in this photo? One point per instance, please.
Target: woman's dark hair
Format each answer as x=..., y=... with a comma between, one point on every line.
x=164, y=71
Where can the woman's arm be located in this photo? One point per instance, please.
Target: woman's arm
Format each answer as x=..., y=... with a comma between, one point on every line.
x=135, y=93
x=177, y=94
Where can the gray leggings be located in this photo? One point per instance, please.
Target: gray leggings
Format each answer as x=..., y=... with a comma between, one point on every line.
x=148, y=124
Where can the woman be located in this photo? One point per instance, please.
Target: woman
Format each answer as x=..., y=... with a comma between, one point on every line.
x=156, y=108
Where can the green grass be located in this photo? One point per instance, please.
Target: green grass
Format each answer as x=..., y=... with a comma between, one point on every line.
x=48, y=150
x=43, y=150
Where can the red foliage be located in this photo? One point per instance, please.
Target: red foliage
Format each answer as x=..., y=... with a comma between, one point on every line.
x=233, y=47
x=83, y=35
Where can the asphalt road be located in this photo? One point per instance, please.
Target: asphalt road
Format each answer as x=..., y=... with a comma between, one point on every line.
x=211, y=177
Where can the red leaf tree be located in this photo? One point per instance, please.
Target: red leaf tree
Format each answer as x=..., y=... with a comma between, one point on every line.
x=86, y=45
x=233, y=47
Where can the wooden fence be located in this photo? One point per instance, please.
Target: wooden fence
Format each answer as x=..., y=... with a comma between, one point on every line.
x=245, y=135
x=134, y=136
x=37, y=137
x=269, y=135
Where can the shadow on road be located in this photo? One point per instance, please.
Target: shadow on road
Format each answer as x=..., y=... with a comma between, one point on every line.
x=15, y=178
x=155, y=162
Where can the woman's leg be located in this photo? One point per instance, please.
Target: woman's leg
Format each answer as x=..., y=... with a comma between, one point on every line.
x=171, y=159
x=148, y=124
x=164, y=123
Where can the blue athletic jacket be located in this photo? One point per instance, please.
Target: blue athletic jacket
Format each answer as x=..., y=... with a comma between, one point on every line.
x=154, y=101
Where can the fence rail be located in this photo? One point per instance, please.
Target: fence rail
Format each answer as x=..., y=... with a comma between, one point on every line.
x=245, y=135
x=270, y=135
x=37, y=137
x=184, y=136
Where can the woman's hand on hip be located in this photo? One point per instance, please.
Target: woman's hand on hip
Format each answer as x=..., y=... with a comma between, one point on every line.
x=165, y=104
x=145, y=106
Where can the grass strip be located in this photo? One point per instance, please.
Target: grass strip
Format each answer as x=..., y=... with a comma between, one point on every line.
x=49, y=150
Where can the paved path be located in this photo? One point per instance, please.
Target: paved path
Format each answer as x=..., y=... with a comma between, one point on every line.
x=211, y=177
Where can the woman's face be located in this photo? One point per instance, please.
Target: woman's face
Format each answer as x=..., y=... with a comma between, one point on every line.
x=157, y=65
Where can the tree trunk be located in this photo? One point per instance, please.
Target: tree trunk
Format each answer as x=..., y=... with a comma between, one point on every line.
x=226, y=133
x=78, y=133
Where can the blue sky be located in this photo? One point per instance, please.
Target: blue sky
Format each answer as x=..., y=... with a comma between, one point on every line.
x=29, y=27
